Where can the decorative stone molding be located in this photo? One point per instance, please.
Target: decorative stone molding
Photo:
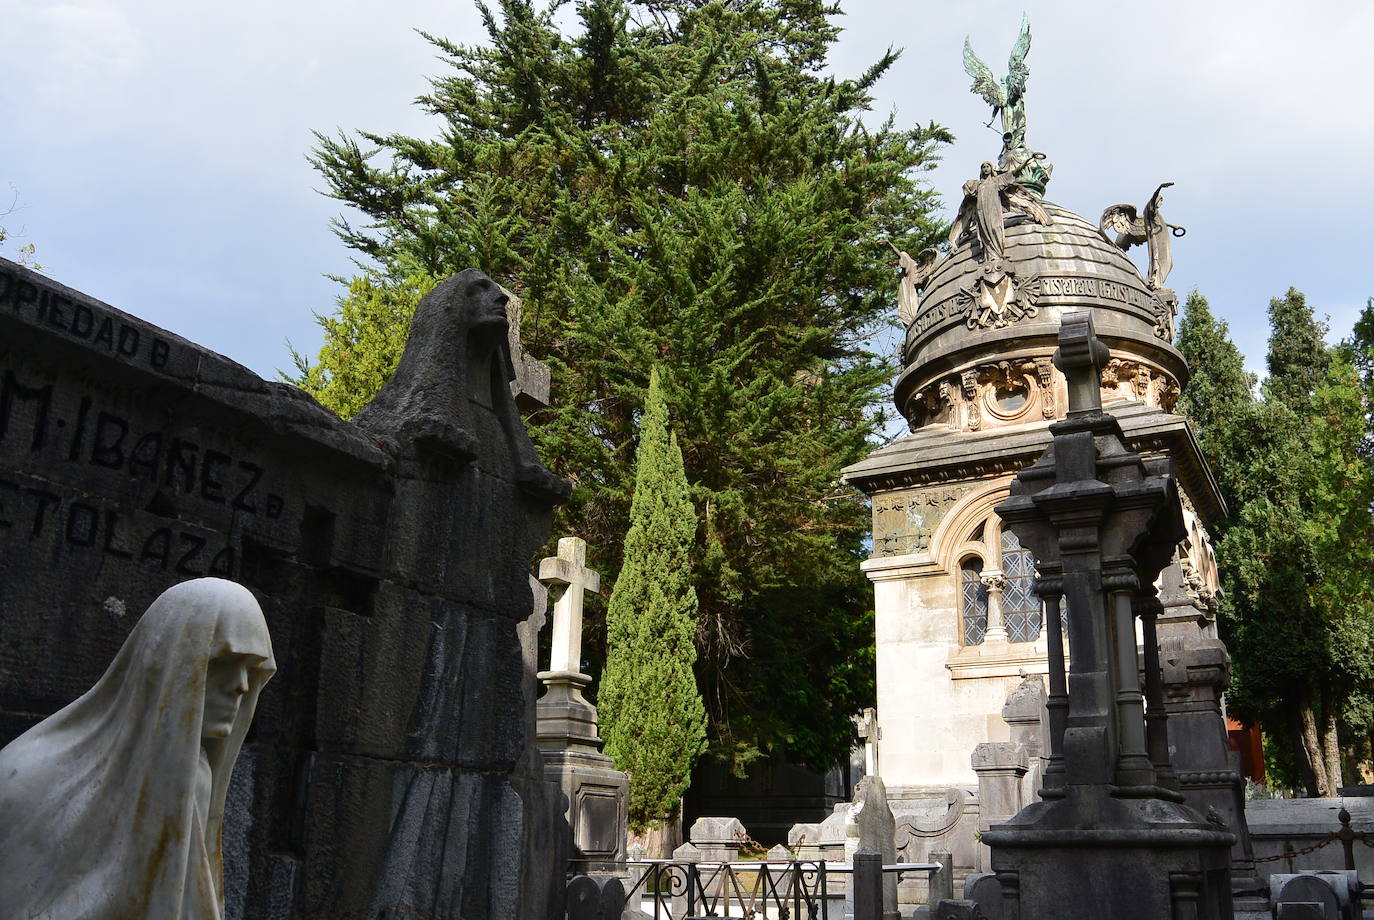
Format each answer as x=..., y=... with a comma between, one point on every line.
x=1016, y=391
x=903, y=522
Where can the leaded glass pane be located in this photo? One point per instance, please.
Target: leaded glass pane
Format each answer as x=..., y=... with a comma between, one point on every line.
x=1021, y=609
x=975, y=602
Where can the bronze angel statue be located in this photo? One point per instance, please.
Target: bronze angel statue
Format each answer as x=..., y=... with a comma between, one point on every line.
x=1133, y=228
x=1007, y=98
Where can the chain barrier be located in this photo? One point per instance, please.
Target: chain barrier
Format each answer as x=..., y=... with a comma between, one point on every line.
x=1330, y=838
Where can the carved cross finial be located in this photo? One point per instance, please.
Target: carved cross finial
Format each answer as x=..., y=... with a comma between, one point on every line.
x=871, y=733
x=568, y=568
x=1080, y=357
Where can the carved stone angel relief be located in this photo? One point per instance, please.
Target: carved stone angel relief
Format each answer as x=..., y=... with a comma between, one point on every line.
x=994, y=299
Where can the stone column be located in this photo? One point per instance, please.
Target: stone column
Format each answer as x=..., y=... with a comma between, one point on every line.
x=598, y=794
x=1050, y=588
x=996, y=583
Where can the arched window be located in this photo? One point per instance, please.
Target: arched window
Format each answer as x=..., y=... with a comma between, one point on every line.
x=1021, y=608
x=974, y=601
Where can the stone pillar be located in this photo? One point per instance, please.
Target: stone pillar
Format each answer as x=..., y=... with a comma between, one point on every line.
x=598, y=794
x=1111, y=842
x=718, y=839
x=1000, y=765
x=996, y=583
x=1195, y=672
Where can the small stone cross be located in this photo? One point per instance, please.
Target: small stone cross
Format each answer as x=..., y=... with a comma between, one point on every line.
x=568, y=568
x=871, y=733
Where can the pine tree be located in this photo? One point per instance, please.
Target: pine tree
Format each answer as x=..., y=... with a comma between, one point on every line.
x=676, y=184
x=651, y=713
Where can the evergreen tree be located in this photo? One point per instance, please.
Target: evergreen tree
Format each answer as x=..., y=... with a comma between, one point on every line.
x=651, y=713
x=1220, y=390
x=675, y=184
x=1297, y=550
x=1297, y=352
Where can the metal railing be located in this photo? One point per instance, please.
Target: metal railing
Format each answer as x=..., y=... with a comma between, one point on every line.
x=795, y=889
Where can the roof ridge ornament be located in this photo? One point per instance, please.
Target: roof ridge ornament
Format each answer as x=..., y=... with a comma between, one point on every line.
x=1007, y=98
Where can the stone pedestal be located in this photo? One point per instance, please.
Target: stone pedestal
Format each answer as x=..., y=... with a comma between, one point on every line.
x=1196, y=672
x=566, y=729
x=597, y=792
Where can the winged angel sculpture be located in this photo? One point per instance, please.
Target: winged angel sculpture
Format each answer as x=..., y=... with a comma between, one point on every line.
x=1133, y=228
x=1007, y=98
x=913, y=274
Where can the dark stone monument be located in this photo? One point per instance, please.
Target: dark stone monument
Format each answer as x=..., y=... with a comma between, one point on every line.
x=1196, y=673
x=392, y=769
x=1112, y=836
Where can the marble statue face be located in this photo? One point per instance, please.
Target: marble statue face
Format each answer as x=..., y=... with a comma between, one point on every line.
x=226, y=681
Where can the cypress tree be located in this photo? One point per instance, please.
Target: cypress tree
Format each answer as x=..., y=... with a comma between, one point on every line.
x=1219, y=393
x=674, y=183
x=1297, y=550
x=1297, y=352
x=651, y=713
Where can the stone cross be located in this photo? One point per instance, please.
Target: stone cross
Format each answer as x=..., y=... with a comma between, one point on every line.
x=871, y=733
x=568, y=568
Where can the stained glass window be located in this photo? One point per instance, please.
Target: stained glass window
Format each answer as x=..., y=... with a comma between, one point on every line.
x=1021, y=611
x=975, y=602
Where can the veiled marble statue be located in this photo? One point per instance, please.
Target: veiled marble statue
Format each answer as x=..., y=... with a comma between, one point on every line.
x=111, y=808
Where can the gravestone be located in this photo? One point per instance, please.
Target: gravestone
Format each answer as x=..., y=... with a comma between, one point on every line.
x=597, y=793
x=391, y=767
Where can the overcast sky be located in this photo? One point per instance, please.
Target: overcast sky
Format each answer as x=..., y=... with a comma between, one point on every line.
x=157, y=147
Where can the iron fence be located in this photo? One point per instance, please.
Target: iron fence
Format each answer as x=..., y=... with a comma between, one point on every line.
x=794, y=889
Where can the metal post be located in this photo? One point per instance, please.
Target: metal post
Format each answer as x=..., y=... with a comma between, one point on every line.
x=868, y=884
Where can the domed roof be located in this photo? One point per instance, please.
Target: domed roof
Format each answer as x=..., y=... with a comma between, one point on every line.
x=1064, y=266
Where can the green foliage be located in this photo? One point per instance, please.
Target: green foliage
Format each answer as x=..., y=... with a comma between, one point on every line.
x=362, y=342
x=1297, y=352
x=677, y=184
x=1297, y=550
x=1219, y=392
x=651, y=713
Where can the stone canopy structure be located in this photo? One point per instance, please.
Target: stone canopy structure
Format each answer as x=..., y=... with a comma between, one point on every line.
x=957, y=618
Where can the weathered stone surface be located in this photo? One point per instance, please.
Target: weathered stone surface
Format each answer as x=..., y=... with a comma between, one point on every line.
x=719, y=839
x=390, y=758
x=1309, y=896
x=1110, y=836
x=89, y=793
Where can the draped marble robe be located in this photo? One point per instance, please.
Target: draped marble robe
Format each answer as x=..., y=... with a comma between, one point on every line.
x=99, y=818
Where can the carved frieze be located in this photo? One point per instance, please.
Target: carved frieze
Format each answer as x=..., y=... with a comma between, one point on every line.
x=1014, y=392
x=904, y=521
x=1124, y=378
